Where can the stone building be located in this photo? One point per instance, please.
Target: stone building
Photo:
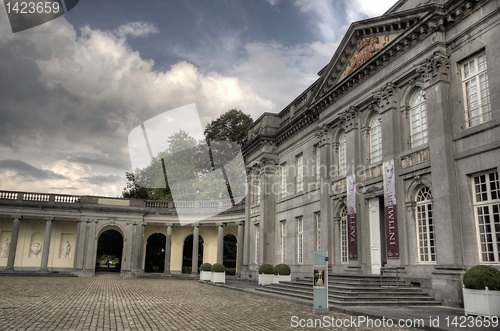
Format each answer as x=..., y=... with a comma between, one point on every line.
x=391, y=158
x=61, y=233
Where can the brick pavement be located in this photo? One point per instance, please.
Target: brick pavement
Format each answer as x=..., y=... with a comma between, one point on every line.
x=107, y=302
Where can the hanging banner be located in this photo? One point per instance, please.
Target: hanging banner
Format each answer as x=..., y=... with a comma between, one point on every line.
x=351, y=217
x=390, y=211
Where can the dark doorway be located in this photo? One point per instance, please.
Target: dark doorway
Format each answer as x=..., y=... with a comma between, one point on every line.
x=155, y=253
x=230, y=247
x=187, y=254
x=109, y=251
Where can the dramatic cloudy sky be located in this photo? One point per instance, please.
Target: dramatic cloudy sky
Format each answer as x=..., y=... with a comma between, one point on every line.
x=71, y=90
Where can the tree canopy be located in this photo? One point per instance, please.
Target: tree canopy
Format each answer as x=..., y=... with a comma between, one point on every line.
x=233, y=126
x=190, y=165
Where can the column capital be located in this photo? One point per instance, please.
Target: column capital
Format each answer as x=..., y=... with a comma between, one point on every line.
x=386, y=97
x=435, y=68
x=49, y=218
x=348, y=118
x=17, y=217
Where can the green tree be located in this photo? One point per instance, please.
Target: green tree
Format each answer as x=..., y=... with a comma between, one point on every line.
x=233, y=126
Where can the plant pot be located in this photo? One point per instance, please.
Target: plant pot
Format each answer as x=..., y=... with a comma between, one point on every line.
x=265, y=279
x=205, y=275
x=481, y=302
x=218, y=277
x=281, y=278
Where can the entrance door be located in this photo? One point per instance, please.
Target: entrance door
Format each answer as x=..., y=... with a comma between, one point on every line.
x=375, y=248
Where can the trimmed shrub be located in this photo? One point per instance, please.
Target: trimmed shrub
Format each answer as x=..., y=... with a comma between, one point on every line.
x=218, y=267
x=231, y=271
x=282, y=269
x=481, y=276
x=206, y=267
x=266, y=269
x=186, y=270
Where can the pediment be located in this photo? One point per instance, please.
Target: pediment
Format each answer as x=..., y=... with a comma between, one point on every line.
x=364, y=42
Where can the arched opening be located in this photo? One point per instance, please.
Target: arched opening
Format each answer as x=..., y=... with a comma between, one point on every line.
x=155, y=253
x=229, y=255
x=109, y=251
x=187, y=254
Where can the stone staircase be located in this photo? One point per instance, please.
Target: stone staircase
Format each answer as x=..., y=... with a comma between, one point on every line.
x=366, y=290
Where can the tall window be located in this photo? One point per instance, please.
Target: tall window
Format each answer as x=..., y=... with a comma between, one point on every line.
x=283, y=179
x=344, y=252
x=342, y=154
x=476, y=91
x=418, y=114
x=257, y=239
x=375, y=139
x=299, y=163
x=300, y=240
x=317, y=163
x=317, y=223
x=487, y=212
x=283, y=241
x=425, y=226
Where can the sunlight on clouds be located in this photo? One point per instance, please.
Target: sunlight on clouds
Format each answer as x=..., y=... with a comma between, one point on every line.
x=137, y=29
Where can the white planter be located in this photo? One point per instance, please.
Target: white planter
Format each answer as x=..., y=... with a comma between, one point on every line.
x=281, y=278
x=481, y=302
x=265, y=279
x=219, y=277
x=205, y=275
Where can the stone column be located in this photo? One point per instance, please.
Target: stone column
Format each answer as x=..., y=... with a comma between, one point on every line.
x=349, y=120
x=196, y=248
x=220, y=243
x=91, y=243
x=46, y=243
x=239, y=248
x=436, y=73
x=137, y=247
x=325, y=150
x=267, y=224
x=13, y=243
x=81, y=232
x=168, y=249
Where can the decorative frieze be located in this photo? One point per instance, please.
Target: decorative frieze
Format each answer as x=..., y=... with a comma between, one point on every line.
x=415, y=158
x=372, y=172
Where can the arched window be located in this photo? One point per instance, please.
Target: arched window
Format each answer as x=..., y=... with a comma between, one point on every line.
x=425, y=226
x=418, y=118
x=344, y=251
x=375, y=139
x=342, y=154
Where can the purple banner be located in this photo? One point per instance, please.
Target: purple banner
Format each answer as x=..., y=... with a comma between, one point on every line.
x=390, y=211
x=351, y=217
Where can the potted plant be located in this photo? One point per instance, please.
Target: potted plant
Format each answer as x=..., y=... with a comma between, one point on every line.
x=218, y=273
x=482, y=291
x=206, y=271
x=282, y=273
x=265, y=274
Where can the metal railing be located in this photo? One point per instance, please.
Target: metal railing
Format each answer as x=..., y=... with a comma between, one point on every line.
x=389, y=277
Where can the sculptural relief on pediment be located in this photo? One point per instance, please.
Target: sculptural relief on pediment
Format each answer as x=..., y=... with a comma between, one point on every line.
x=365, y=50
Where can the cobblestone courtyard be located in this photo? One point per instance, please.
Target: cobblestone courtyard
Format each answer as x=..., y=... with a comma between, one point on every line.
x=107, y=302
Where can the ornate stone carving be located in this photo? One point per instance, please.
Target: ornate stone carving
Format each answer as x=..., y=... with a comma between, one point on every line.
x=5, y=248
x=435, y=68
x=36, y=248
x=322, y=133
x=65, y=249
x=348, y=118
x=386, y=97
